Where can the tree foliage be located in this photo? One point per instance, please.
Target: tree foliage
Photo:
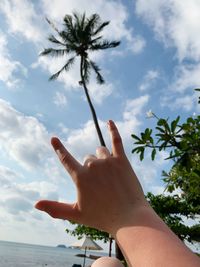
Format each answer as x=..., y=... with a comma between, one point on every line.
x=182, y=141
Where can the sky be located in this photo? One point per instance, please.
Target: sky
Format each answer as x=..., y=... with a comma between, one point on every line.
x=156, y=68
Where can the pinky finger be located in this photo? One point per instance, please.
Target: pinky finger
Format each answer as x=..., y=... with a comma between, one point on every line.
x=59, y=210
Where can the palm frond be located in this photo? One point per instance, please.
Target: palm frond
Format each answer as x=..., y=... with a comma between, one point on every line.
x=99, y=77
x=54, y=52
x=79, y=20
x=79, y=25
x=64, y=68
x=104, y=45
x=92, y=23
x=83, y=21
x=51, y=24
x=70, y=27
x=54, y=40
x=68, y=21
x=93, y=41
x=101, y=27
x=67, y=37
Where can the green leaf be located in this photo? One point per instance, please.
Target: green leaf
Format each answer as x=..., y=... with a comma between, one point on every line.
x=160, y=129
x=135, y=137
x=174, y=124
x=161, y=122
x=153, y=154
x=142, y=154
x=135, y=150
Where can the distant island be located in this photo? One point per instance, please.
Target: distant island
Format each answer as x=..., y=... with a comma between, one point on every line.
x=61, y=246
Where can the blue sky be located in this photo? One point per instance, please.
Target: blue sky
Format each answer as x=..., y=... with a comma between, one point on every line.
x=156, y=67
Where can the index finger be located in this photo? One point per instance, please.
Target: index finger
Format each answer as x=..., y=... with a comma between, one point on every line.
x=117, y=146
x=68, y=161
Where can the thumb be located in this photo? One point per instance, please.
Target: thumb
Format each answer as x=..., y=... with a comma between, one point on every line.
x=59, y=210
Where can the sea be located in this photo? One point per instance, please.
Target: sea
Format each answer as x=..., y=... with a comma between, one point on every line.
x=26, y=255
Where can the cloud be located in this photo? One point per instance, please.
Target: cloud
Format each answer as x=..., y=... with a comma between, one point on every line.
x=60, y=99
x=180, y=93
x=99, y=92
x=134, y=107
x=175, y=23
x=186, y=77
x=186, y=102
x=17, y=212
x=149, y=80
x=149, y=172
x=22, y=137
x=10, y=70
x=16, y=205
x=27, y=25
x=7, y=176
x=17, y=196
x=71, y=80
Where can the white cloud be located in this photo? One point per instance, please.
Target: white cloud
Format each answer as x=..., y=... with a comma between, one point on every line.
x=186, y=77
x=180, y=93
x=17, y=212
x=60, y=99
x=149, y=80
x=7, y=176
x=134, y=107
x=10, y=70
x=99, y=92
x=52, y=65
x=16, y=205
x=17, y=195
x=71, y=80
x=175, y=22
x=149, y=170
x=22, y=19
x=186, y=102
x=22, y=137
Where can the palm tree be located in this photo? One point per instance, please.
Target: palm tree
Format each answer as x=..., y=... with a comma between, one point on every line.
x=80, y=36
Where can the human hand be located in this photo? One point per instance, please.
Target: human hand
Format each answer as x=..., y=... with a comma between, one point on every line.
x=108, y=191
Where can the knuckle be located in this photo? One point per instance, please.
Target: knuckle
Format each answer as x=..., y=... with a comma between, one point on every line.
x=91, y=164
x=63, y=159
x=53, y=214
x=117, y=139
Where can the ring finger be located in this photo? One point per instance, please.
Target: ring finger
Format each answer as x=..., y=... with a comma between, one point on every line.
x=88, y=159
x=102, y=152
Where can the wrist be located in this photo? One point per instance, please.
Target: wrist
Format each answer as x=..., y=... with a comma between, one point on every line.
x=134, y=216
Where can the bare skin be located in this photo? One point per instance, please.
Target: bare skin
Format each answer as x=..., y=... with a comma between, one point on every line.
x=110, y=198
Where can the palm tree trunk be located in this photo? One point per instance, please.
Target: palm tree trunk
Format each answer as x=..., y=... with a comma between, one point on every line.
x=94, y=116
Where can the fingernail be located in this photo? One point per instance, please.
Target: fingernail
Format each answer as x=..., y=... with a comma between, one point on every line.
x=55, y=143
x=38, y=207
x=110, y=124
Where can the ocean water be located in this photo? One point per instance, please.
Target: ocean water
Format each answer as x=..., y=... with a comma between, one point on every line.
x=21, y=255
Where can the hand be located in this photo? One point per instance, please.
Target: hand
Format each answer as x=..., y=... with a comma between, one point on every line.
x=108, y=191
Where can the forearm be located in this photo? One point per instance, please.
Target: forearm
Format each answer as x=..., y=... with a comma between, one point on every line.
x=148, y=242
